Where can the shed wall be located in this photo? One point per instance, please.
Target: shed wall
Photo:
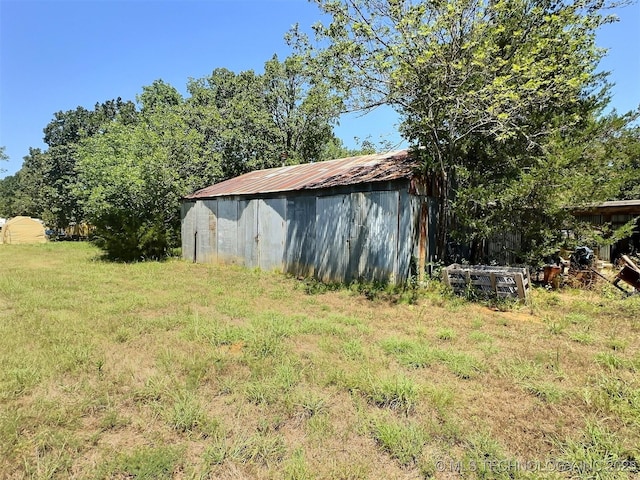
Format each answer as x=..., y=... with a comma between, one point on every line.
x=229, y=230
x=369, y=235
x=248, y=233
x=331, y=251
x=272, y=233
x=300, y=243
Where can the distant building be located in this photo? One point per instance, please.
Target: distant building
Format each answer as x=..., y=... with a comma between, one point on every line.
x=369, y=217
x=617, y=213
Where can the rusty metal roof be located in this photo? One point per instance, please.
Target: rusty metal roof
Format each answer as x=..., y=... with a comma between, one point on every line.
x=332, y=173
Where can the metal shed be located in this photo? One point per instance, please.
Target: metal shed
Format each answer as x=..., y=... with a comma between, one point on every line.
x=368, y=217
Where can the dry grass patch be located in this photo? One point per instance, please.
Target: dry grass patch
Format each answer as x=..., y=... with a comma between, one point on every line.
x=176, y=370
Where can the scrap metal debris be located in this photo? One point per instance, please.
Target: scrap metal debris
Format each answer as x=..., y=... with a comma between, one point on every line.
x=579, y=271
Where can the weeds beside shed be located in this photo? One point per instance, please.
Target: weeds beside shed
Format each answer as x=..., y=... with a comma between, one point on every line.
x=369, y=217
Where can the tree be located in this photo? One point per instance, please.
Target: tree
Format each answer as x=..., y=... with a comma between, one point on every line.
x=71, y=126
x=229, y=110
x=159, y=95
x=47, y=179
x=487, y=93
x=3, y=156
x=627, y=146
x=131, y=178
x=132, y=175
x=302, y=107
x=252, y=121
x=8, y=188
x=125, y=171
x=30, y=197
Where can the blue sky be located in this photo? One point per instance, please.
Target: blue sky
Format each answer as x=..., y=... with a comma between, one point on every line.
x=59, y=54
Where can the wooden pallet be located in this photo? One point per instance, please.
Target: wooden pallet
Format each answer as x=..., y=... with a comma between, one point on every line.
x=488, y=281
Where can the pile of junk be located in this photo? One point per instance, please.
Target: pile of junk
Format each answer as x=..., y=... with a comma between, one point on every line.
x=579, y=270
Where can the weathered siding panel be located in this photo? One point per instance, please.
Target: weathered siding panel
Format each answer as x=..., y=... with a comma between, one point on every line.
x=228, y=232
x=301, y=236
x=272, y=234
x=373, y=237
x=432, y=228
x=198, y=231
x=206, y=229
x=187, y=229
x=502, y=248
x=359, y=235
x=248, y=219
x=604, y=253
x=406, y=235
x=367, y=235
x=332, y=232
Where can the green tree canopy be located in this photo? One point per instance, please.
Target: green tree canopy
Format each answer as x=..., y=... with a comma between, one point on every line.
x=8, y=187
x=132, y=176
x=131, y=179
x=489, y=93
x=47, y=179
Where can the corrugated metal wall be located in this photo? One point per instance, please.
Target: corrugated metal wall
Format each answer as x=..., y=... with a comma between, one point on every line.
x=370, y=235
x=199, y=231
x=272, y=233
x=331, y=251
x=300, y=251
x=228, y=231
x=373, y=236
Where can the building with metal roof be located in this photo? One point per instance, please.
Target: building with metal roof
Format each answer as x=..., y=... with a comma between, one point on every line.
x=615, y=213
x=369, y=217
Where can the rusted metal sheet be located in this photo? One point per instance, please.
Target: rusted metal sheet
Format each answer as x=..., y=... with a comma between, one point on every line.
x=360, y=235
x=207, y=228
x=272, y=233
x=383, y=241
x=405, y=239
x=301, y=236
x=199, y=242
x=423, y=239
x=288, y=219
x=248, y=219
x=615, y=207
x=311, y=176
x=228, y=231
x=357, y=237
x=332, y=232
x=187, y=230
x=373, y=236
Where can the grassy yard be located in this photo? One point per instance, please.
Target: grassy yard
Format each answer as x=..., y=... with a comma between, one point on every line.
x=176, y=370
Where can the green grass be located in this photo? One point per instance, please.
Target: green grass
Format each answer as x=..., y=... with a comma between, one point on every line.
x=176, y=370
x=597, y=453
x=146, y=463
x=403, y=441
